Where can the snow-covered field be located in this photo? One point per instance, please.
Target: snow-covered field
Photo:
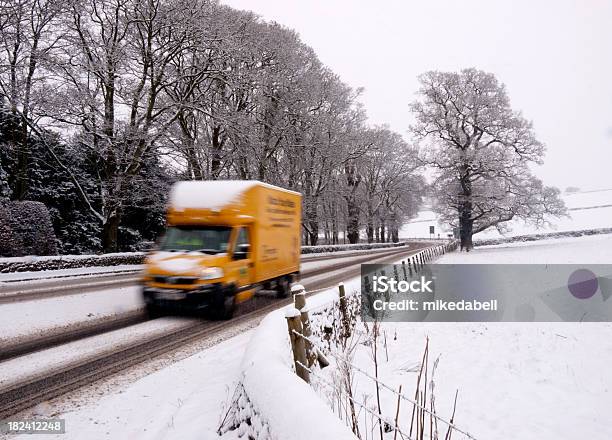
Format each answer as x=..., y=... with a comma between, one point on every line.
x=587, y=210
x=528, y=381
x=594, y=249
x=535, y=381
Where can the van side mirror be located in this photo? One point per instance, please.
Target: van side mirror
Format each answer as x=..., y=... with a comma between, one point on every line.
x=241, y=252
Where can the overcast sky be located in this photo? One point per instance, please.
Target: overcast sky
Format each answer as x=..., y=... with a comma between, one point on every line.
x=555, y=58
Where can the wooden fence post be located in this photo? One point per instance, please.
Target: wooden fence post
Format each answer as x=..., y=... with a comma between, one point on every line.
x=299, y=296
x=298, y=344
x=299, y=301
x=346, y=326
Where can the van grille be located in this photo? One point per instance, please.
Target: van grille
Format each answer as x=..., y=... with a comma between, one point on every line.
x=174, y=280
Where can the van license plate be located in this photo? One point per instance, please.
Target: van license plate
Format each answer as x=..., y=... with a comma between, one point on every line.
x=171, y=295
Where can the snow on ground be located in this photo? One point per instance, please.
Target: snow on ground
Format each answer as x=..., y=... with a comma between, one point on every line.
x=183, y=401
x=38, y=317
x=79, y=272
x=587, y=210
x=187, y=399
x=540, y=381
x=528, y=381
x=515, y=380
x=594, y=249
x=288, y=406
x=36, y=258
x=419, y=226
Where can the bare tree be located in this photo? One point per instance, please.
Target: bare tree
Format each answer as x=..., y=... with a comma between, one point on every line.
x=390, y=190
x=113, y=76
x=481, y=149
x=29, y=33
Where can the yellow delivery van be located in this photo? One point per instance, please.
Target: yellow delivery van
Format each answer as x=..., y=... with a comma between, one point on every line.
x=224, y=241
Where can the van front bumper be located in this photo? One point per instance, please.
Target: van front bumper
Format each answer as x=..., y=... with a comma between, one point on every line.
x=208, y=295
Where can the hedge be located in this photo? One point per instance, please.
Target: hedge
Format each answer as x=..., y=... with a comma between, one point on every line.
x=33, y=264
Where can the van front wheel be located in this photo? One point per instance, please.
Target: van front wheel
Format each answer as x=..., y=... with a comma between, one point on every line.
x=225, y=310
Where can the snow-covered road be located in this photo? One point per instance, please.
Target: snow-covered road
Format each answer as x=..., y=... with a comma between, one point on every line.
x=37, y=318
x=34, y=318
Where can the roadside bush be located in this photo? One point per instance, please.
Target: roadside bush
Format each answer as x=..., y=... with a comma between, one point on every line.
x=26, y=229
x=348, y=247
x=10, y=243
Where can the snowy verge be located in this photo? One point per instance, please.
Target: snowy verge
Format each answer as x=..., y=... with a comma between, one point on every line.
x=326, y=248
x=55, y=262
x=275, y=391
x=85, y=273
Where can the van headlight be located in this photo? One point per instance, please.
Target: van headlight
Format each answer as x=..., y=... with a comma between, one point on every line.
x=211, y=273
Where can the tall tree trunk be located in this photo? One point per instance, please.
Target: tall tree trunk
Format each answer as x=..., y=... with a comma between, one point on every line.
x=353, y=222
x=466, y=223
x=370, y=231
x=314, y=232
x=217, y=145
x=110, y=233
x=370, y=223
x=23, y=158
x=335, y=231
x=326, y=232
x=353, y=180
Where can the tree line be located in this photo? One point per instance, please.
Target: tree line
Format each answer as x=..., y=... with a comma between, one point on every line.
x=112, y=100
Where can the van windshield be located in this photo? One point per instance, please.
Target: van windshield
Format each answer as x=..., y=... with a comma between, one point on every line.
x=207, y=239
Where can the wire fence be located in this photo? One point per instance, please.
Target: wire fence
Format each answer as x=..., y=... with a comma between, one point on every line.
x=391, y=426
x=307, y=350
x=384, y=385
